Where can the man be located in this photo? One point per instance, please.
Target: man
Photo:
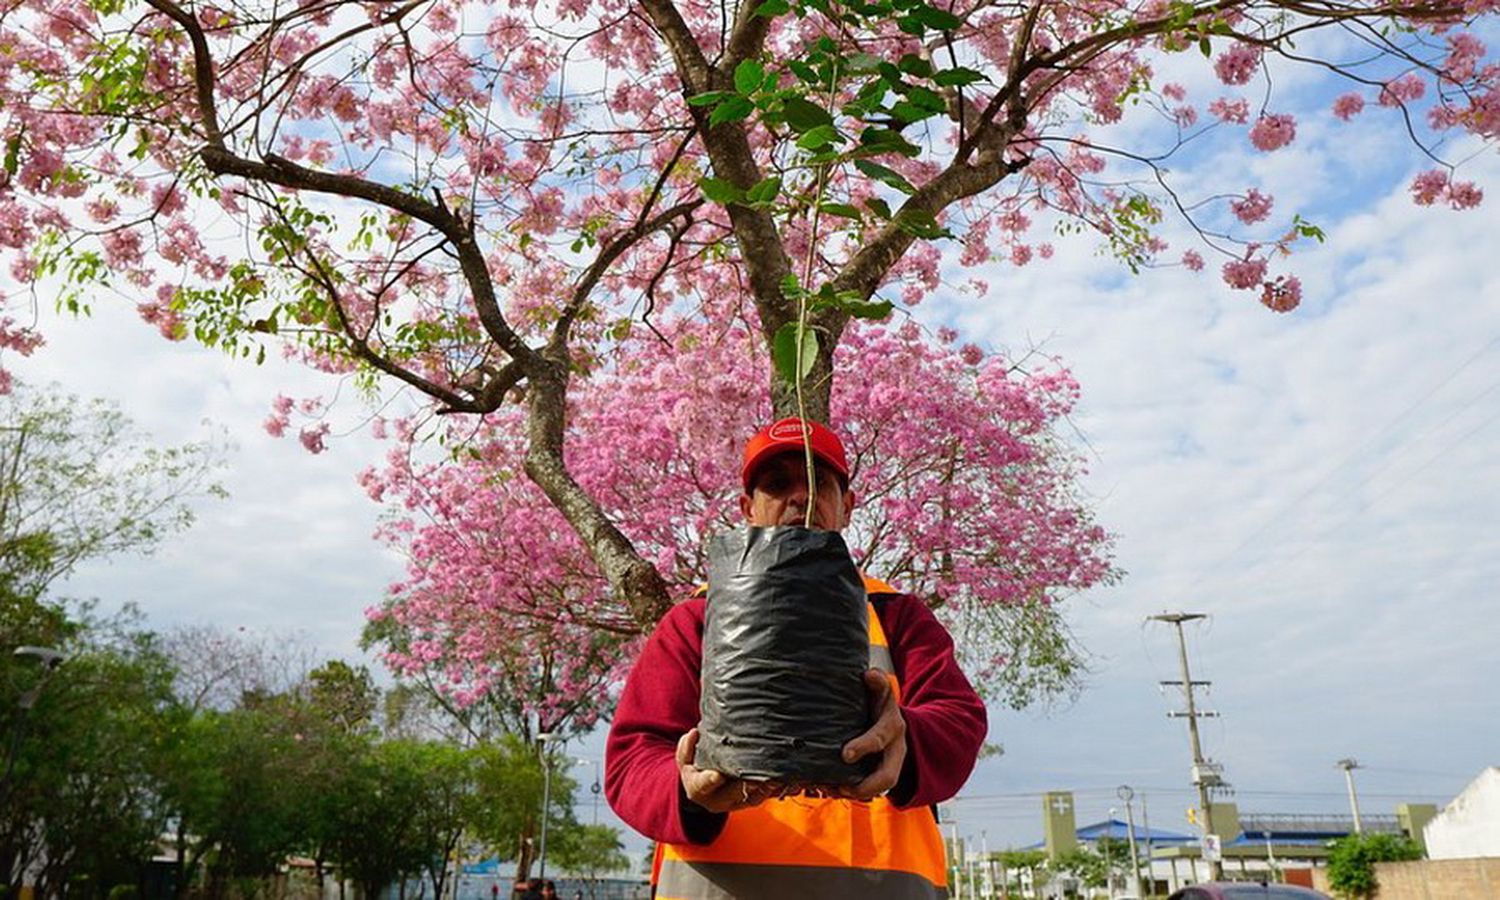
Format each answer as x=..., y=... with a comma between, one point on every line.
x=720, y=837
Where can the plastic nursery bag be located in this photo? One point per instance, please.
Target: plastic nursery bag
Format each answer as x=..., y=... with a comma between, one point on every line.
x=785, y=647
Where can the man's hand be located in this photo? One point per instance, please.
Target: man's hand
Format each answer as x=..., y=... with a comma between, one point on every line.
x=715, y=791
x=886, y=737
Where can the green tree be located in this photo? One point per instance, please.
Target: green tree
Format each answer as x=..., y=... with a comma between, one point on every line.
x=1352, y=859
x=587, y=848
x=382, y=841
x=225, y=777
x=344, y=696
x=79, y=803
x=504, y=811
x=78, y=481
x=1031, y=862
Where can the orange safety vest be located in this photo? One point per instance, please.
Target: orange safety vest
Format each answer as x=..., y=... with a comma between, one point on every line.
x=814, y=847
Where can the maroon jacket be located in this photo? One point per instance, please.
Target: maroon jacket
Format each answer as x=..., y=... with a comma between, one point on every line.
x=945, y=720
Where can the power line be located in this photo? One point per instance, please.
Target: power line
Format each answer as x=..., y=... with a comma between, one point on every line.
x=1340, y=466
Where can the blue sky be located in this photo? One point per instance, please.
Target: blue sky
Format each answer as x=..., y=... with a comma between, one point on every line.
x=1322, y=484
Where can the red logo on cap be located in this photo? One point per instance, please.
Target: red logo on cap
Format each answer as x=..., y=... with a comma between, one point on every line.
x=789, y=431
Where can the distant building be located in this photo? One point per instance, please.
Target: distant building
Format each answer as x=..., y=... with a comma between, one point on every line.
x=1252, y=844
x=1469, y=826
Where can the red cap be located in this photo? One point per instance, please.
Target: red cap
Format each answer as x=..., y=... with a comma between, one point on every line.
x=786, y=435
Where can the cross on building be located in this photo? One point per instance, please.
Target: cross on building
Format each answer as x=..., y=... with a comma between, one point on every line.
x=1060, y=805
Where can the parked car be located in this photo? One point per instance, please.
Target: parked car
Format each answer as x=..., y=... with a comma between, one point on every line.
x=1247, y=890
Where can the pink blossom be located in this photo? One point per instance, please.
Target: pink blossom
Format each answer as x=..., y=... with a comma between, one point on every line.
x=1464, y=195
x=1192, y=260
x=1282, y=295
x=1253, y=207
x=22, y=340
x=1236, y=111
x=1273, y=131
x=1185, y=116
x=1245, y=274
x=1429, y=186
x=102, y=209
x=1406, y=89
x=1465, y=52
x=1020, y=254
x=1173, y=91
x=1237, y=64
x=167, y=199
x=312, y=437
x=1347, y=106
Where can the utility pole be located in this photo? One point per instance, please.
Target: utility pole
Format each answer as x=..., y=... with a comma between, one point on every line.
x=1125, y=793
x=1349, y=765
x=1207, y=774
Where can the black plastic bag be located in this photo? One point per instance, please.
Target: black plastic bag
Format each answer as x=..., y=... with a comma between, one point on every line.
x=785, y=647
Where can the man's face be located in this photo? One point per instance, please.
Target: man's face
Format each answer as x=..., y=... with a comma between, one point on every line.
x=778, y=495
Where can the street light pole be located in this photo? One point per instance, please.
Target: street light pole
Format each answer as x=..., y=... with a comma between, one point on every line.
x=542, y=740
x=1349, y=765
x=50, y=660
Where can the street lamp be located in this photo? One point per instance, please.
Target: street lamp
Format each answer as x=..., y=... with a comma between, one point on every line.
x=594, y=788
x=1349, y=765
x=50, y=660
x=543, y=739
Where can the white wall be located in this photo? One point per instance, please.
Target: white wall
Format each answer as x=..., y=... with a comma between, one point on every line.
x=1470, y=825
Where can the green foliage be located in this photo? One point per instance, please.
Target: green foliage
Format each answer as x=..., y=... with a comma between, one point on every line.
x=1352, y=859
x=587, y=848
x=74, y=802
x=78, y=482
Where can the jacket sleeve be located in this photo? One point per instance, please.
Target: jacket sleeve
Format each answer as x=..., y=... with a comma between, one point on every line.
x=946, y=721
x=658, y=706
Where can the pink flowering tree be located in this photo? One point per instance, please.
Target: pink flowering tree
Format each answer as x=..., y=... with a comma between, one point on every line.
x=500, y=205
x=966, y=496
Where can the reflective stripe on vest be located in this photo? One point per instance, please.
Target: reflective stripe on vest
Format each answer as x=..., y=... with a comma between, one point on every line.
x=814, y=847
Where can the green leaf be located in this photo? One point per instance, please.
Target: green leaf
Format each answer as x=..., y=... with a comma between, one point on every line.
x=731, y=110
x=861, y=63
x=12, y=154
x=909, y=112
x=926, y=99
x=1205, y=47
x=879, y=207
x=773, y=8
x=803, y=71
x=818, y=138
x=748, y=75
x=959, y=77
x=784, y=351
x=842, y=210
x=920, y=223
x=884, y=175
x=875, y=311
x=709, y=98
x=720, y=191
x=876, y=139
x=804, y=116
x=764, y=191
x=910, y=24
x=912, y=64
x=937, y=19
